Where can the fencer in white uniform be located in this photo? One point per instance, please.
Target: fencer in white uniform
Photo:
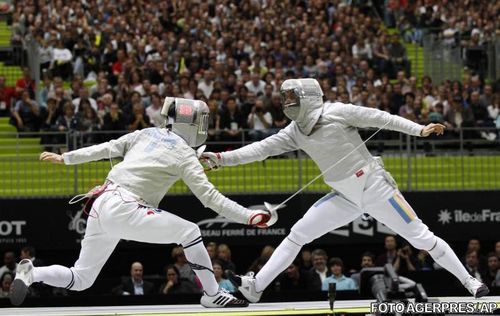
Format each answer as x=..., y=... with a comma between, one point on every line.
x=126, y=206
x=327, y=132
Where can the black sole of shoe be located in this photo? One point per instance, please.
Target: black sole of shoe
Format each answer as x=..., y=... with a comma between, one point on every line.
x=18, y=292
x=482, y=291
x=231, y=276
x=240, y=304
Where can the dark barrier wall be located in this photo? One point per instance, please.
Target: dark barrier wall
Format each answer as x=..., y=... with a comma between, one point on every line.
x=455, y=216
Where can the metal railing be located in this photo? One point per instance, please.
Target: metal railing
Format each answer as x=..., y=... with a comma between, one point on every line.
x=463, y=160
x=446, y=59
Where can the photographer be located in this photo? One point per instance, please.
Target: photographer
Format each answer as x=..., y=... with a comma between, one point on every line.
x=259, y=121
x=405, y=261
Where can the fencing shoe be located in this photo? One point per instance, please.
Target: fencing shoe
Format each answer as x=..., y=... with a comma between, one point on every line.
x=21, y=283
x=222, y=299
x=475, y=287
x=246, y=285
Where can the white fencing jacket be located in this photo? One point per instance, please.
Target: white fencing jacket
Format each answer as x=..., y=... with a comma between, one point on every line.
x=153, y=160
x=335, y=136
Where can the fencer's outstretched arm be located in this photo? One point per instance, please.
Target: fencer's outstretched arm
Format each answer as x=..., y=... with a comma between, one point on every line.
x=193, y=175
x=274, y=145
x=360, y=116
x=112, y=149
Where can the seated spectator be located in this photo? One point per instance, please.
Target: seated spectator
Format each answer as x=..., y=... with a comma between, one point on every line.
x=406, y=110
x=29, y=252
x=493, y=271
x=343, y=283
x=405, y=261
x=475, y=245
x=5, y=282
x=494, y=111
x=425, y=262
x=390, y=252
x=259, y=121
x=280, y=120
x=6, y=97
x=481, y=115
x=83, y=94
x=224, y=256
x=223, y=282
x=207, y=83
x=319, y=271
x=472, y=264
x=9, y=263
x=258, y=263
x=175, y=284
x=293, y=278
x=397, y=55
x=114, y=120
x=135, y=285
x=27, y=114
x=25, y=83
x=67, y=121
x=182, y=265
x=305, y=259
x=87, y=119
x=139, y=118
x=61, y=61
x=436, y=115
x=458, y=116
x=255, y=85
x=367, y=261
x=153, y=111
x=212, y=250
x=231, y=122
x=54, y=110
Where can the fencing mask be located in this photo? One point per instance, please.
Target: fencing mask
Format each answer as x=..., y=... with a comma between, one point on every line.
x=188, y=118
x=302, y=102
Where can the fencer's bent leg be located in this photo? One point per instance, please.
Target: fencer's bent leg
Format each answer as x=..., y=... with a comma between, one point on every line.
x=328, y=213
x=386, y=204
x=97, y=246
x=145, y=224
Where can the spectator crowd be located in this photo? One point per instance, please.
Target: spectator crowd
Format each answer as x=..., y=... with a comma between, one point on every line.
x=234, y=55
x=312, y=270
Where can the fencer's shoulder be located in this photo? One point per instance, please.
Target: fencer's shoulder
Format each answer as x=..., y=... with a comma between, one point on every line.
x=333, y=109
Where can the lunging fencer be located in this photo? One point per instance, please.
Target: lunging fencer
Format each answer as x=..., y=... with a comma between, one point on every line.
x=126, y=206
x=327, y=132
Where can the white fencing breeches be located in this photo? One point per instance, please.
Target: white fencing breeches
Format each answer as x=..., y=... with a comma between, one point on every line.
x=381, y=199
x=116, y=215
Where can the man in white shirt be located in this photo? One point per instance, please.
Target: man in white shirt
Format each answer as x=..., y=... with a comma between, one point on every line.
x=259, y=121
x=207, y=83
x=255, y=84
x=83, y=94
x=61, y=61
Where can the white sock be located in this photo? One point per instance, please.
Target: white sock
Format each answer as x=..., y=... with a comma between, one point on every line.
x=54, y=275
x=446, y=257
x=199, y=261
x=281, y=258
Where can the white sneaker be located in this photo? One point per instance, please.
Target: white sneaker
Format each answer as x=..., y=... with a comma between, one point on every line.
x=475, y=287
x=246, y=285
x=222, y=299
x=21, y=283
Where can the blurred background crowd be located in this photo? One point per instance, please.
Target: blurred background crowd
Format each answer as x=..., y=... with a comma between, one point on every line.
x=235, y=54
